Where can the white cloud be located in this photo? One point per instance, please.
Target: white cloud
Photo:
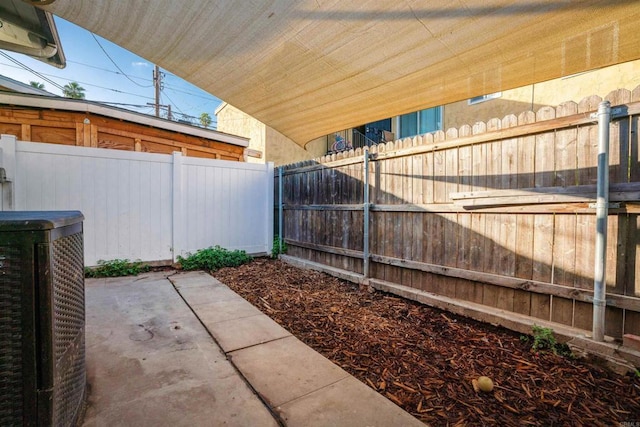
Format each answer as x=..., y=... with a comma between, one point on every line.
x=140, y=64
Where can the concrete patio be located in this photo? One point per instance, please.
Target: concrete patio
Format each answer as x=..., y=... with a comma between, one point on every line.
x=182, y=349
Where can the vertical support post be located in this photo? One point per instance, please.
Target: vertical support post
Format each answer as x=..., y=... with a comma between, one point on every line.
x=8, y=164
x=280, y=209
x=365, y=205
x=176, y=199
x=602, y=212
x=269, y=207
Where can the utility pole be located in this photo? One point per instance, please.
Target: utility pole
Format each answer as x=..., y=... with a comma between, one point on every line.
x=156, y=84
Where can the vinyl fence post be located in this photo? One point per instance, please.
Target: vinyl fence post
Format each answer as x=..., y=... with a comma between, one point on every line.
x=176, y=199
x=365, y=232
x=8, y=164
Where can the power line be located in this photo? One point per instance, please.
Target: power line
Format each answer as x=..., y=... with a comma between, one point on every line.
x=116, y=65
x=167, y=86
x=41, y=75
x=31, y=70
x=108, y=71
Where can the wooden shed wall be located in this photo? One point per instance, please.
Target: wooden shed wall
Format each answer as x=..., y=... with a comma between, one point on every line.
x=92, y=130
x=496, y=213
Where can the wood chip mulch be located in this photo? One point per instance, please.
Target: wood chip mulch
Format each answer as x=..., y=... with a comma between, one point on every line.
x=425, y=359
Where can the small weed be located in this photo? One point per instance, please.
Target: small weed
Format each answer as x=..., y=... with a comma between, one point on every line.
x=116, y=268
x=276, y=247
x=545, y=340
x=213, y=258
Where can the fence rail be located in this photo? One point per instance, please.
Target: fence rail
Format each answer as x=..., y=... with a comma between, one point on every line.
x=151, y=207
x=496, y=213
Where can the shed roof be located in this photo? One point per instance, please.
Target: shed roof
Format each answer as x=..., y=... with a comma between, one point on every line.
x=81, y=105
x=309, y=67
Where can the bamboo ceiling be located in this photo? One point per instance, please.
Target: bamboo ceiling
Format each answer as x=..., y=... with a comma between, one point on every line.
x=310, y=67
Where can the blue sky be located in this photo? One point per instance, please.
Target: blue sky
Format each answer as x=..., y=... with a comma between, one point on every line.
x=88, y=65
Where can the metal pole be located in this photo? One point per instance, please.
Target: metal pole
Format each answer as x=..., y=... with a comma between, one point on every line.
x=280, y=236
x=602, y=212
x=365, y=255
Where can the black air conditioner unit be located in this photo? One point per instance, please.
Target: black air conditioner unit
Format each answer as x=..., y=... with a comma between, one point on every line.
x=42, y=321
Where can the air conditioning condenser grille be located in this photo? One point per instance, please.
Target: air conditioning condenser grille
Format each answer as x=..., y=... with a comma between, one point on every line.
x=11, y=376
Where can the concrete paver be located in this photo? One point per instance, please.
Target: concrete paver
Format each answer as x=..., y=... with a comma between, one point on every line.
x=345, y=403
x=244, y=332
x=150, y=362
x=286, y=369
x=222, y=311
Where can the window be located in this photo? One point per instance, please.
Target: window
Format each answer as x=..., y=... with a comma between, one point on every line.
x=420, y=122
x=482, y=98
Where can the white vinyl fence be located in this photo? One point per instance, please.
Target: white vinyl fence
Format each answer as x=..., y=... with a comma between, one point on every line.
x=151, y=207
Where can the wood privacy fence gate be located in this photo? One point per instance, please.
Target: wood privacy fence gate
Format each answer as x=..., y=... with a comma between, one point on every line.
x=496, y=214
x=151, y=207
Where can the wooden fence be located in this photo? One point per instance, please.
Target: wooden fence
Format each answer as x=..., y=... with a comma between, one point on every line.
x=497, y=213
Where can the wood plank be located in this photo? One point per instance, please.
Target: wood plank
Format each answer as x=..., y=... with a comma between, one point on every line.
x=479, y=168
x=566, y=149
x=613, y=322
x=406, y=244
x=79, y=141
x=451, y=167
x=542, y=249
x=506, y=256
x=564, y=250
x=583, y=315
x=545, y=152
x=450, y=230
x=440, y=177
x=465, y=162
x=464, y=289
x=634, y=151
x=570, y=190
x=428, y=170
x=523, y=261
x=87, y=134
x=585, y=250
x=633, y=257
x=25, y=132
x=490, y=264
x=416, y=245
x=632, y=322
x=562, y=310
x=535, y=287
x=526, y=150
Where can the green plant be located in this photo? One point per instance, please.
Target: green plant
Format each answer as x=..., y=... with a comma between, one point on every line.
x=545, y=340
x=213, y=258
x=275, y=251
x=116, y=268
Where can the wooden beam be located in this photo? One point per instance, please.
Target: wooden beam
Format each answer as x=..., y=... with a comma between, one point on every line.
x=94, y=136
x=328, y=249
x=620, y=192
x=620, y=301
x=25, y=131
x=342, y=207
x=559, y=208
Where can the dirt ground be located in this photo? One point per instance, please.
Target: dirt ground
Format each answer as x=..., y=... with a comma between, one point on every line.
x=424, y=359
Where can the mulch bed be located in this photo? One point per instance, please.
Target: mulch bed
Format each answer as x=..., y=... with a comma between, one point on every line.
x=425, y=359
